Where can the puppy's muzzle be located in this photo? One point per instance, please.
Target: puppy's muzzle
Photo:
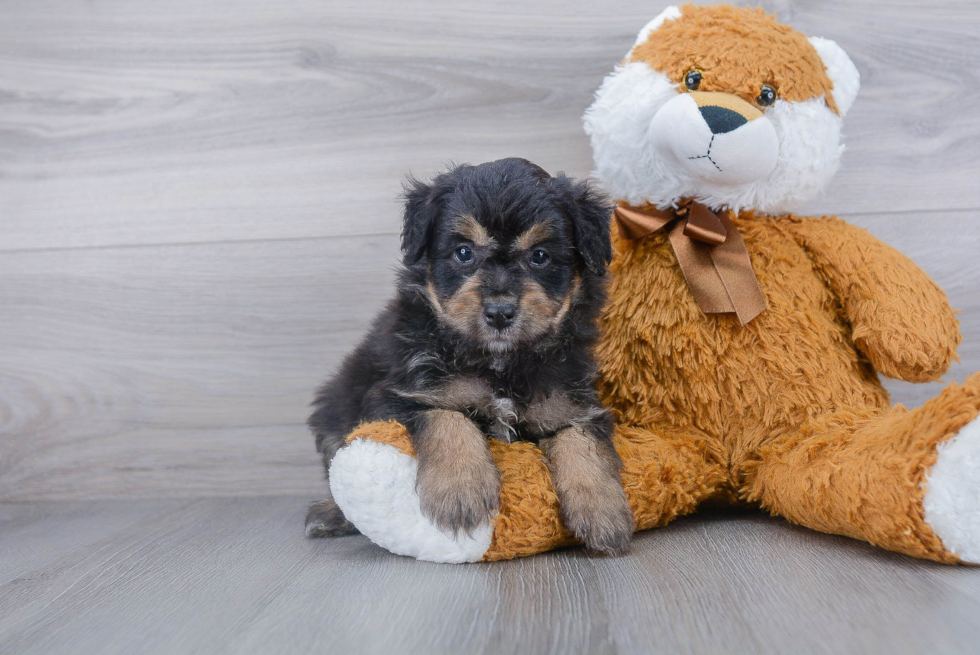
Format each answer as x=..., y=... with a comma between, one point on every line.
x=499, y=315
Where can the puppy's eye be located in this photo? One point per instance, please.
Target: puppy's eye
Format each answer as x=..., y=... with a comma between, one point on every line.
x=692, y=80
x=540, y=257
x=767, y=96
x=463, y=254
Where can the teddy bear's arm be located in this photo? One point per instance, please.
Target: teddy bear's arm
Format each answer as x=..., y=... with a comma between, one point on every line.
x=901, y=319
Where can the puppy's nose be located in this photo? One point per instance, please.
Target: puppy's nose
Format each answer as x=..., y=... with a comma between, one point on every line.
x=499, y=314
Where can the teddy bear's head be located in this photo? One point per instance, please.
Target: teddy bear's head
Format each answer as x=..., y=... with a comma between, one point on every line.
x=724, y=105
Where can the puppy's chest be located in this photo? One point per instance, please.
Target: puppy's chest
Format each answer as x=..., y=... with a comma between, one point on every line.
x=506, y=414
x=502, y=418
x=497, y=409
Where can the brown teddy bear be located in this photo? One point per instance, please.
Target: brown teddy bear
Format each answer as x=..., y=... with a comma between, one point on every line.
x=741, y=344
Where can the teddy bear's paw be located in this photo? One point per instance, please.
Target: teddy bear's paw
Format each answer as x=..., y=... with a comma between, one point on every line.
x=952, y=498
x=374, y=485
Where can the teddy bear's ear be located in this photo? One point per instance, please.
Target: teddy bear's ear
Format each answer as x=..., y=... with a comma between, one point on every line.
x=841, y=71
x=669, y=13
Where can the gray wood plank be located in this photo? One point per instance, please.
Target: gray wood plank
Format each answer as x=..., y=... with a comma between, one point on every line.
x=237, y=576
x=182, y=371
x=175, y=370
x=135, y=122
x=36, y=535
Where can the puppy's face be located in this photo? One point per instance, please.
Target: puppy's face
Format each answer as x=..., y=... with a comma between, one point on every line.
x=502, y=286
x=505, y=248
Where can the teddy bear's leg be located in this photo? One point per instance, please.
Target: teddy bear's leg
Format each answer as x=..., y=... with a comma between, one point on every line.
x=373, y=478
x=666, y=473
x=904, y=480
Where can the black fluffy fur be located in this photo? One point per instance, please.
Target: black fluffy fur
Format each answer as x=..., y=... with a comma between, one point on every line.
x=410, y=350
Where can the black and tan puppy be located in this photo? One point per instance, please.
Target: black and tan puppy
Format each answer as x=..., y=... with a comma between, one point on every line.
x=490, y=334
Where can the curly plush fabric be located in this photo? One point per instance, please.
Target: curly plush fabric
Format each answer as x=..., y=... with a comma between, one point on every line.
x=735, y=62
x=899, y=317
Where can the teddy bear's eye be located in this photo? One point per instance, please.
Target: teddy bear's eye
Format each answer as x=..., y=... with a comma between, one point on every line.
x=692, y=80
x=767, y=96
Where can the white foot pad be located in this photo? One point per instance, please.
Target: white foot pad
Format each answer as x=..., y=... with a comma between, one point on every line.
x=952, y=498
x=374, y=484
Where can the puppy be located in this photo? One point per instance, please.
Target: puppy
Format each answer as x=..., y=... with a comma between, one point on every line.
x=490, y=334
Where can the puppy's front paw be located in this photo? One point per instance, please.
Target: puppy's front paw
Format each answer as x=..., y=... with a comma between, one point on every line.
x=591, y=500
x=458, y=483
x=325, y=519
x=459, y=495
x=597, y=513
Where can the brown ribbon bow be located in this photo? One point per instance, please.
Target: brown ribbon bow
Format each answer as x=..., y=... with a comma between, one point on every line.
x=710, y=252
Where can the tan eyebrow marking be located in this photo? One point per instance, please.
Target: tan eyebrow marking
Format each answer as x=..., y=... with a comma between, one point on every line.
x=537, y=232
x=468, y=227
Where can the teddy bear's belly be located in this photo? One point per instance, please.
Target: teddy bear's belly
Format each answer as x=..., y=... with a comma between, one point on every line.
x=665, y=363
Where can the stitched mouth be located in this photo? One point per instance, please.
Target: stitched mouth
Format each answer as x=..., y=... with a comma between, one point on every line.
x=707, y=155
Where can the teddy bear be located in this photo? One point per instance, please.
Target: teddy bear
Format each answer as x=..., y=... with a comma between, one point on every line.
x=741, y=344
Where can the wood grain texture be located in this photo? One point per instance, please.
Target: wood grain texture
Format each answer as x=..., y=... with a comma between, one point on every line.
x=176, y=370
x=237, y=576
x=199, y=213
x=137, y=122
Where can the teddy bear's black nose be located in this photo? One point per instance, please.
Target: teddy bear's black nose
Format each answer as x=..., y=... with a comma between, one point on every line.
x=721, y=120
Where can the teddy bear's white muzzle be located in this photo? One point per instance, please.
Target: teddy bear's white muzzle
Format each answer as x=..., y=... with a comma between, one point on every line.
x=713, y=143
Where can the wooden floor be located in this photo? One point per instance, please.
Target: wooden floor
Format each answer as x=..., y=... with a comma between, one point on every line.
x=198, y=217
x=237, y=576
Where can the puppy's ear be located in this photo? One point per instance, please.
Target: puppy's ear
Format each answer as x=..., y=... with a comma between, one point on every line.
x=423, y=204
x=591, y=213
